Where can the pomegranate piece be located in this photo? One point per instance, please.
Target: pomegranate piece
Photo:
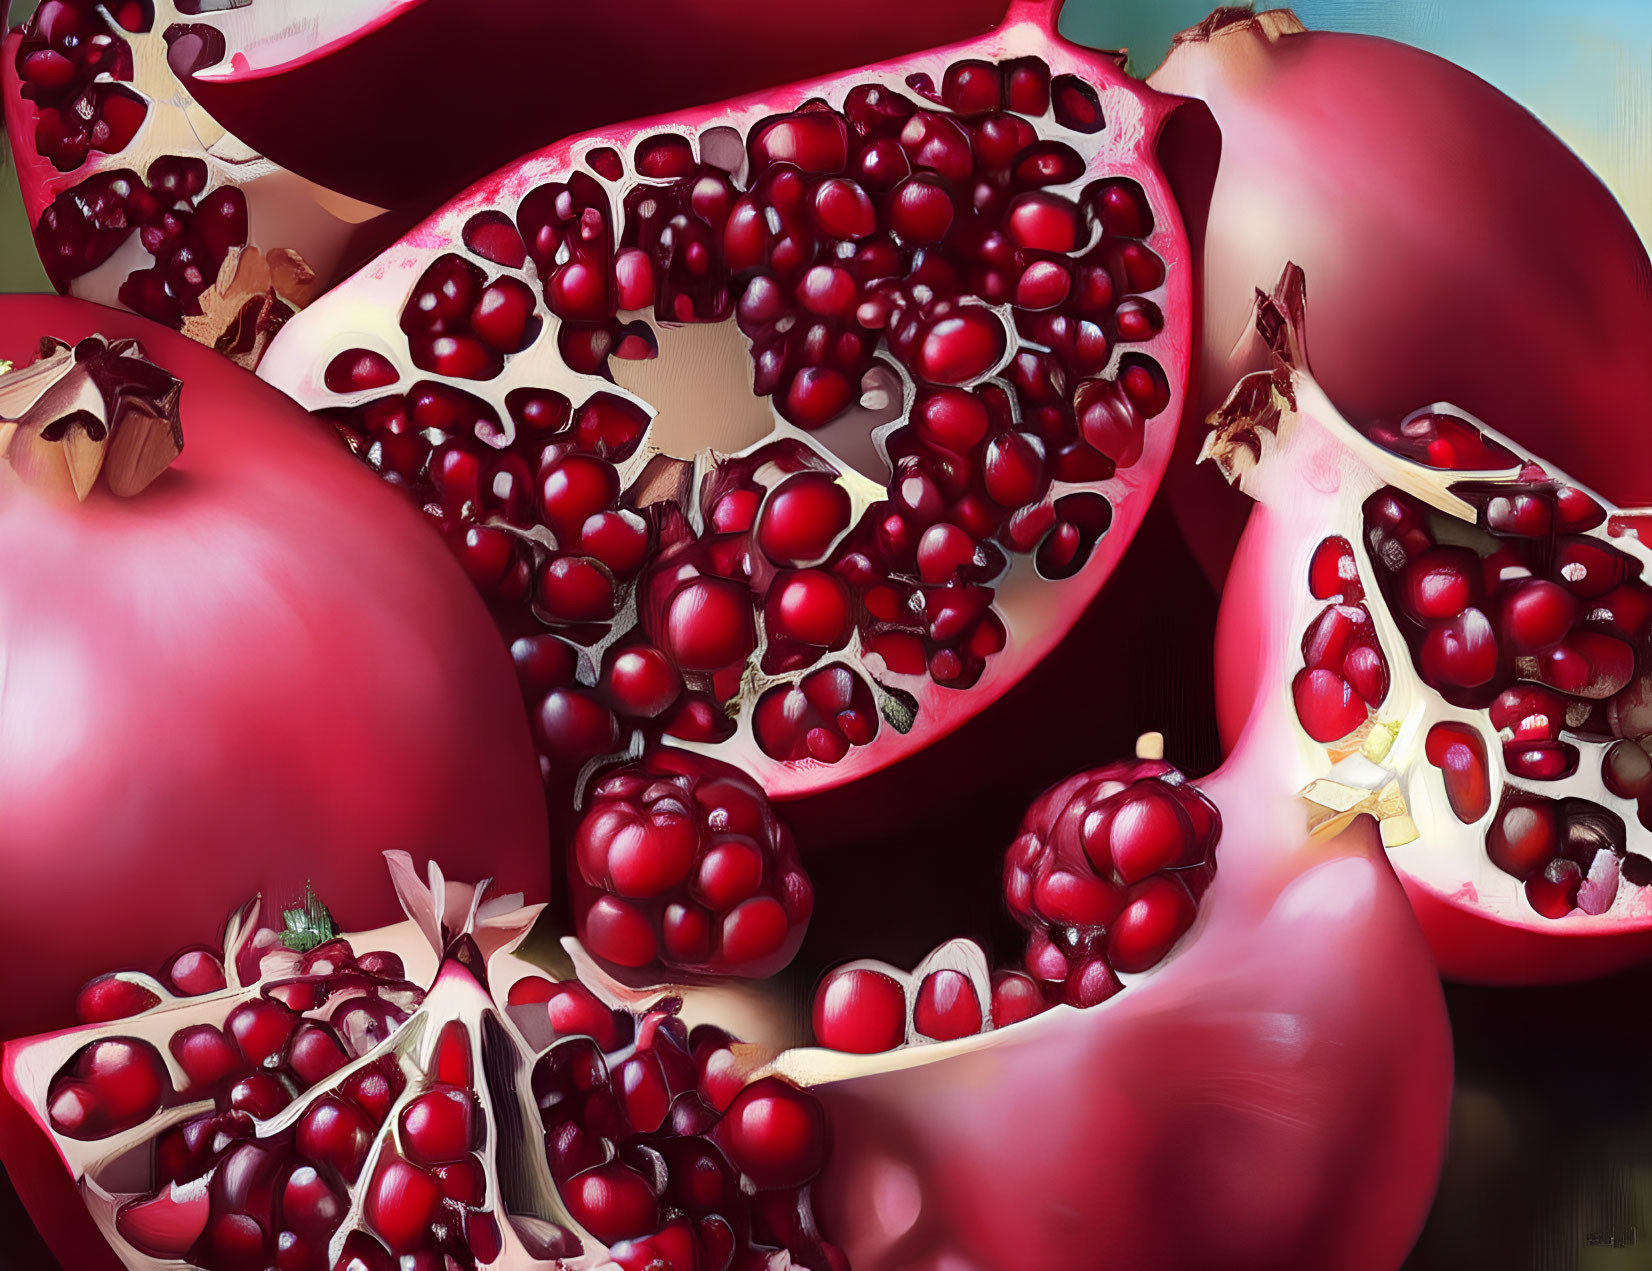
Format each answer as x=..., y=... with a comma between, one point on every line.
x=680, y=864
x=413, y=760
x=137, y=199
x=1507, y=621
x=299, y=1140
x=1417, y=299
x=929, y=335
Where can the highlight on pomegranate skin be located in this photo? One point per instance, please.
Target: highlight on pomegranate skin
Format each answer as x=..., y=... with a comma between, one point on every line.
x=232, y=660
x=138, y=198
x=412, y=1096
x=793, y=429
x=1467, y=647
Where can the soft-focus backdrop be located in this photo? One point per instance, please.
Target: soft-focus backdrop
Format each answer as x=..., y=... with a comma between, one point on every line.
x=1551, y=1159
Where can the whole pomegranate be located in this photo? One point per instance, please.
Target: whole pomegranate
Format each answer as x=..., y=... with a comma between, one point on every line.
x=796, y=428
x=256, y=670
x=1464, y=636
x=1406, y=187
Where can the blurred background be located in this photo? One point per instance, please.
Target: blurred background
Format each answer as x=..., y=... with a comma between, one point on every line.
x=1550, y=1167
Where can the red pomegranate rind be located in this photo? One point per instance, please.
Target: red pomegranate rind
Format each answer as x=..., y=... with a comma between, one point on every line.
x=367, y=67
x=139, y=199
x=679, y=865
x=1508, y=634
x=853, y=251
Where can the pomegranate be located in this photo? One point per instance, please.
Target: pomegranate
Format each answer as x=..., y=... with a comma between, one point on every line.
x=138, y=197
x=1462, y=632
x=1183, y=942
x=680, y=864
x=1349, y=154
x=346, y=96
x=375, y=1100
x=794, y=429
x=259, y=666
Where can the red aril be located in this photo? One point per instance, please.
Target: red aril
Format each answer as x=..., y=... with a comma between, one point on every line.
x=1431, y=286
x=883, y=492
x=138, y=198
x=280, y=619
x=366, y=69
x=1499, y=747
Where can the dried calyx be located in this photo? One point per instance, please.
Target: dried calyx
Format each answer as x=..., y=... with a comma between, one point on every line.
x=1475, y=658
x=79, y=411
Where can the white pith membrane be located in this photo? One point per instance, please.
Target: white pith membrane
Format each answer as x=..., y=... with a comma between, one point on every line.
x=680, y=425
x=478, y=1032
x=1312, y=473
x=238, y=243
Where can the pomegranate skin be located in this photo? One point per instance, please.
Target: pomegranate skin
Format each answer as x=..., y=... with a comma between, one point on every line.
x=1145, y=1114
x=259, y=671
x=346, y=113
x=1345, y=153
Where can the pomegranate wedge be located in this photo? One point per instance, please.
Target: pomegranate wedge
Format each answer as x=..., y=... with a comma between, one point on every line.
x=795, y=428
x=1464, y=635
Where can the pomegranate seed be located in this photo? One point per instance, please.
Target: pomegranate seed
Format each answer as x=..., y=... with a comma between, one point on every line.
x=1014, y=998
x=310, y=1205
x=755, y=930
x=775, y=1134
x=1460, y=652
x=860, y=1011
x=1326, y=705
x=813, y=141
x=438, y=1126
x=802, y=518
x=1627, y=770
x=612, y=1202
x=642, y=682
x=402, y=1203
x=811, y=607
x=1554, y=893
x=1110, y=421
x=1537, y=616
x=619, y=933
x=205, y=1054
x=575, y=1012
x=922, y=210
x=1524, y=838
x=574, y=727
x=709, y=626
x=358, y=370
x=462, y=1181
x=1043, y=284
x=261, y=1029
x=336, y=1135
x=1043, y=222
x=1148, y=832
x=1077, y=105
x=195, y=972
x=1155, y=915
x=961, y=348
x=260, y=1095
x=1540, y=763
x=943, y=551
x=109, y=997
x=843, y=209
x=947, y=1006
x=1460, y=754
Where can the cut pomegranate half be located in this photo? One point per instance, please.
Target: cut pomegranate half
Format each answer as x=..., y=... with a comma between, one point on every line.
x=311, y=1100
x=365, y=69
x=1289, y=1022
x=137, y=197
x=1465, y=635
x=795, y=428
